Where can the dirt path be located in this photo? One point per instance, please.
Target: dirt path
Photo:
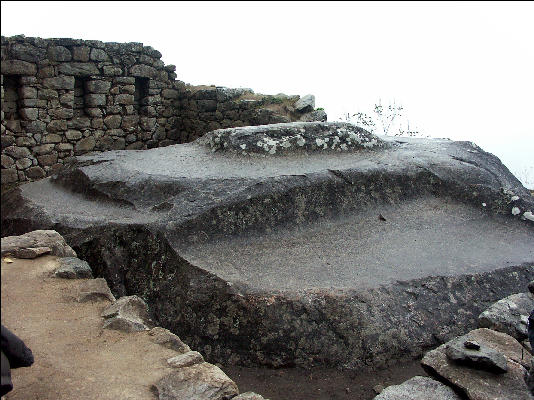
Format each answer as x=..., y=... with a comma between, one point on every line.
x=74, y=357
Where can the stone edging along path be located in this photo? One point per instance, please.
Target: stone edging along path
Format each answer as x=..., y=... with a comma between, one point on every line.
x=89, y=344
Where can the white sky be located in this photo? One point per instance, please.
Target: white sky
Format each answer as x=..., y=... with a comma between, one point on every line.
x=463, y=70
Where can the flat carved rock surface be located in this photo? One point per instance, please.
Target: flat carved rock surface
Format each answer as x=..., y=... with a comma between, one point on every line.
x=418, y=388
x=339, y=258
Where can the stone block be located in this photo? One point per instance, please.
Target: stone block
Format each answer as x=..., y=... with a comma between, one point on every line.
x=135, y=146
x=6, y=161
x=17, y=152
x=47, y=159
x=25, y=141
x=29, y=114
x=94, y=112
x=98, y=86
x=92, y=100
x=85, y=145
x=416, y=388
x=124, y=80
x=202, y=381
x=52, y=138
x=23, y=163
x=61, y=113
x=73, y=134
x=170, y=93
x=46, y=71
x=28, y=103
x=81, y=53
x=36, y=127
x=129, y=121
x=35, y=173
x=57, y=125
x=127, y=314
x=18, y=67
x=144, y=71
x=112, y=70
x=38, y=238
x=98, y=55
x=118, y=144
x=27, y=92
x=59, y=82
x=47, y=94
x=113, y=121
x=59, y=53
x=124, y=99
x=9, y=176
x=79, y=123
x=79, y=69
x=43, y=149
x=128, y=89
x=73, y=268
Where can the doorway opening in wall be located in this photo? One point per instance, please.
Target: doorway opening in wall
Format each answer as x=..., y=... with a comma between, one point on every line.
x=11, y=97
x=79, y=96
x=141, y=92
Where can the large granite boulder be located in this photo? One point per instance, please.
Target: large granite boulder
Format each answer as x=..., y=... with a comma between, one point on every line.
x=347, y=258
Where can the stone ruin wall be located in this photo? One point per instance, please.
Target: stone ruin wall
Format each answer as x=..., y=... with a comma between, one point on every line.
x=66, y=97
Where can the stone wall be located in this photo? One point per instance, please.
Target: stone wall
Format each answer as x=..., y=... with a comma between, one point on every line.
x=66, y=97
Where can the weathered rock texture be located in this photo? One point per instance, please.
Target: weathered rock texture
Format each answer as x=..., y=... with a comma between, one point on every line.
x=480, y=384
x=202, y=381
x=418, y=388
x=509, y=315
x=39, y=239
x=73, y=268
x=283, y=260
x=65, y=97
x=128, y=314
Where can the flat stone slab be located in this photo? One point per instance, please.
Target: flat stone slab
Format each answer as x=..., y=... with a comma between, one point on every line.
x=418, y=388
x=423, y=237
x=479, y=384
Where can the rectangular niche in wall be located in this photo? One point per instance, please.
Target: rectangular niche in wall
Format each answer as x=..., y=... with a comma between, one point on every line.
x=79, y=96
x=141, y=92
x=11, y=97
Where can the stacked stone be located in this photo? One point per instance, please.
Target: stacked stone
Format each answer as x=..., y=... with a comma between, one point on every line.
x=66, y=97
x=74, y=96
x=207, y=109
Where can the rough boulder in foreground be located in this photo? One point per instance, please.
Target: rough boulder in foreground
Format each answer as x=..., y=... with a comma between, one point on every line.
x=282, y=259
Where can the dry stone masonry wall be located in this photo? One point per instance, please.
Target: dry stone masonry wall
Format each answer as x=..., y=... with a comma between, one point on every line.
x=67, y=97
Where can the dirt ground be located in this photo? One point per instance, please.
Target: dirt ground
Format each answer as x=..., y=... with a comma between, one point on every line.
x=76, y=359
x=318, y=384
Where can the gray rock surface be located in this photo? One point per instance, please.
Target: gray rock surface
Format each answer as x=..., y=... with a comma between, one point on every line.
x=317, y=115
x=185, y=359
x=94, y=290
x=509, y=315
x=127, y=314
x=305, y=103
x=168, y=339
x=73, y=268
x=347, y=289
x=249, y=396
x=418, y=388
x=202, y=381
x=478, y=384
x=31, y=252
x=291, y=137
x=483, y=358
x=13, y=245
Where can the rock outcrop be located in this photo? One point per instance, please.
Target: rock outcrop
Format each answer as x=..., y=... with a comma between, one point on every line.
x=283, y=259
x=36, y=243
